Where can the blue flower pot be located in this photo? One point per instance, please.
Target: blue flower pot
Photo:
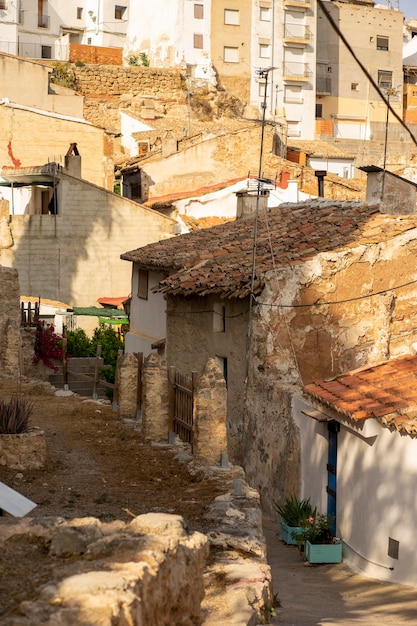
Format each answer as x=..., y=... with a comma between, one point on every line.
x=286, y=533
x=323, y=553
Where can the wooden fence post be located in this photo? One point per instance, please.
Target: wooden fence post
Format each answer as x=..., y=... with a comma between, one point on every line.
x=139, y=386
x=96, y=372
x=65, y=362
x=116, y=382
x=171, y=397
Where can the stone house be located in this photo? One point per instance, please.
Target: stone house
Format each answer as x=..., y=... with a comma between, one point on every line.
x=65, y=235
x=50, y=135
x=331, y=289
x=359, y=460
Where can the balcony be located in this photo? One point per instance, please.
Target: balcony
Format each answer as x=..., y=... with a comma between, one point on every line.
x=297, y=3
x=323, y=85
x=296, y=33
x=43, y=21
x=296, y=72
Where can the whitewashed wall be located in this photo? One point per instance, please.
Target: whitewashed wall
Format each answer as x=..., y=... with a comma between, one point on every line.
x=376, y=477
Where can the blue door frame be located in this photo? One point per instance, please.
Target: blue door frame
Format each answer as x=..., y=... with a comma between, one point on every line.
x=333, y=428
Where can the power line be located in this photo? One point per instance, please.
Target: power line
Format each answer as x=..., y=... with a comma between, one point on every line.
x=330, y=302
x=335, y=27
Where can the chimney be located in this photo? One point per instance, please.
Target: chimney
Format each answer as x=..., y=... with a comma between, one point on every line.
x=248, y=201
x=320, y=181
x=73, y=161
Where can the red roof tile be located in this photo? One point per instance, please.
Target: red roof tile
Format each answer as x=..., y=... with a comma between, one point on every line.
x=364, y=393
x=280, y=242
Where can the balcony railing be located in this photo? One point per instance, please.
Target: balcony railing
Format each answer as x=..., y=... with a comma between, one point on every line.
x=299, y=33
x=323, y=85
x=296, y=71
x=34, y=50
x=43, y=21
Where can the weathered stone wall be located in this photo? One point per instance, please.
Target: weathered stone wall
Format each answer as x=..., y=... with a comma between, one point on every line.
x=149, y=571
x=210, y=416
x=127, y=372
x=191, y=344
x=109, y=80
x=50, y=138
x=293, y=346
x=155, y=412
x=23, y=451
x=152, y=570
x=9, y=322
x=74, y=257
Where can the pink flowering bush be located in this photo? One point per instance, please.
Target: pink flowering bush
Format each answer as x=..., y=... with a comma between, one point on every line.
x=48, y=345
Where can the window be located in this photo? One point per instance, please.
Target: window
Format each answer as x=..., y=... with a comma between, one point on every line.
x=46, y=52
x=319, y=111
x=261, y=89
x=265, y=50
x=143, y=278
x=382, y=43
x=89, y=41
x=231, y=16
x=354, y=86
x=3, y=5
x=384, y=79
x=198, y=11
x=265, y=14
x=79, y=13
x=230, y=55
x=119, y=11
x=198, y=41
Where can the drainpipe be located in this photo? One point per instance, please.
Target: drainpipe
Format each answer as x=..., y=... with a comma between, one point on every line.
x=320, y=174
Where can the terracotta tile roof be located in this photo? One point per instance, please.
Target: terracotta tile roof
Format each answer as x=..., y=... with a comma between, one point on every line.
x=386, y=391
x=319, y=149
x=219, y=259
x=197, y=223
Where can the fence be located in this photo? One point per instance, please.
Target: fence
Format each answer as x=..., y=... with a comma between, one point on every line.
x=181, y=402
x=28, y=315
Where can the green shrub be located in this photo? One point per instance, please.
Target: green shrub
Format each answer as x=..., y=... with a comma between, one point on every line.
x=78, y=344
x=63, y=75
x=14, y=415
x=294, y=512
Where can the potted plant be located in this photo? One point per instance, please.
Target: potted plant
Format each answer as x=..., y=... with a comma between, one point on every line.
x=319, y=541
x=293, y=514
x=21, y=447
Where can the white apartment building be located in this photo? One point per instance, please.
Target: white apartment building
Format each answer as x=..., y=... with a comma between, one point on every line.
x=39, y=29
x=227, y=42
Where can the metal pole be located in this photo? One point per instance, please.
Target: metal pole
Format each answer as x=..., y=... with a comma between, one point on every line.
x=263, y=73
x=390, y=91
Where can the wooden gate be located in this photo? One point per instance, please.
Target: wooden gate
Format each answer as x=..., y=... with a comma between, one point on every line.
x=182, y=403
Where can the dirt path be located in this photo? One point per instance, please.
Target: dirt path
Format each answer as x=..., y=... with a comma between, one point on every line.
x=96, y=466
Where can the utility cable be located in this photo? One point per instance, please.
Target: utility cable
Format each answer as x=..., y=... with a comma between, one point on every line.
x=335, y=27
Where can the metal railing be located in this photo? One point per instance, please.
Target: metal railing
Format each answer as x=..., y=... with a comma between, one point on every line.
x=43, y=21
x=297, y=31
x=323, y=84
x=293, y=69
x=34, y=50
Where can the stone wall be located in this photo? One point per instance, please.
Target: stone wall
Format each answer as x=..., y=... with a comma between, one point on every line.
x=74, y=257
x=9, y=322
x=148, y=571
x=108, y=80
x=24, y=451
x=294, y=346
x=155, y=409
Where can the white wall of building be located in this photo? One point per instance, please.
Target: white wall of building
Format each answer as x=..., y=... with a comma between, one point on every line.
x=147, y=318
x=129, y=125
x=32, y=33
x=376, y=476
